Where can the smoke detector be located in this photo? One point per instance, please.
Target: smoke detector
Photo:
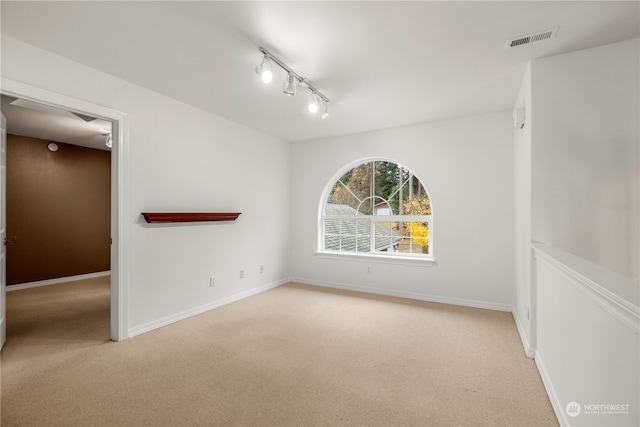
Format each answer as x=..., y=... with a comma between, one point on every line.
x=532, y=38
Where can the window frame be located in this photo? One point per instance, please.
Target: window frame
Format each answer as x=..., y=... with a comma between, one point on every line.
x=396, y=258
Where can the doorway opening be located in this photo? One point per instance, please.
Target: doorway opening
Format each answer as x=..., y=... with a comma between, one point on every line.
x=118, y=236
x=58, y=195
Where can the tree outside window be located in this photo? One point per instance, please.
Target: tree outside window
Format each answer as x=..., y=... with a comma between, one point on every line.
x=378, y=207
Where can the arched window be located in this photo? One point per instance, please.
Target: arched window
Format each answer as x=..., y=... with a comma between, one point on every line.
x=377, y=208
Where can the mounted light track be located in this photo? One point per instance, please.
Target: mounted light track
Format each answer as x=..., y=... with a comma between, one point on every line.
x=317, y=102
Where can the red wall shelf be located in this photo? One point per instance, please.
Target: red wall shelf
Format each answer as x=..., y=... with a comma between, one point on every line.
x=155, y=217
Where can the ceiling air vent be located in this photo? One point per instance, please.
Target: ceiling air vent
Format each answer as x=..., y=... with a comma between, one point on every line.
x=532, y=38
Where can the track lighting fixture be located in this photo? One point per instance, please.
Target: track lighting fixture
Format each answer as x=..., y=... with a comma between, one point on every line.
x=109, y=141
x=314, y=103
x=265, y=70
x=318, y=101
x=290, y=85
x=324, y=111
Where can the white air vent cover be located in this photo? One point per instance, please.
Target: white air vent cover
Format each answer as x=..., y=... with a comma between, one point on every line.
x=532, y=38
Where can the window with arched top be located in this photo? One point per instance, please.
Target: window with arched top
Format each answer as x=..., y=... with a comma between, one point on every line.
x=377, y=208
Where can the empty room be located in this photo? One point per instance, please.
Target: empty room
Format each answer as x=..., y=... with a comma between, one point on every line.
x=320, y=213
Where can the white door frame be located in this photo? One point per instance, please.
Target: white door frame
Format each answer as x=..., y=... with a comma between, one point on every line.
x=3, y=234
x=119, y=200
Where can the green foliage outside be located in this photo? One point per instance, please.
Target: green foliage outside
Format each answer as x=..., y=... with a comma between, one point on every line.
x=369, y=184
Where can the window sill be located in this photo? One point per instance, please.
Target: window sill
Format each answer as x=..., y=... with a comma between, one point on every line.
x=379, y=259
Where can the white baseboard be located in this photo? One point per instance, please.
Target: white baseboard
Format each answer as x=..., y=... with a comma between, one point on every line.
x=147, y=327
x=551, y=393
x=56, y=281
x=409, y=295
x=528, y=350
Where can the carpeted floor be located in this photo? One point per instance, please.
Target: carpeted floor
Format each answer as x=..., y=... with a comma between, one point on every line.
x=296, y=355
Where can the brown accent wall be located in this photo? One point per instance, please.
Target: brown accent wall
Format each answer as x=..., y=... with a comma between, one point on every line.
x=58, y=210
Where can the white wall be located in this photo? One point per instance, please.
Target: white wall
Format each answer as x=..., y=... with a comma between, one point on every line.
x=523, y=300
x=576, y=187
x=466, y=166
x=588, y=347
x=586, y=180
x=182, y=159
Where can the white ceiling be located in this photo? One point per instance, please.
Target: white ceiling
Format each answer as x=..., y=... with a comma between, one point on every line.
x=382, y=63
x=27, y=118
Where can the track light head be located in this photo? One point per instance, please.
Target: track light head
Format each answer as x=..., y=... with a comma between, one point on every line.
x=265, y=70
x=324, y=111
x=314, y=103
x=290, y=85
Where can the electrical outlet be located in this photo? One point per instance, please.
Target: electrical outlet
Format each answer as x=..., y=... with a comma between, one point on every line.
x=261, y=269
x=212, y=281
x=242, y=274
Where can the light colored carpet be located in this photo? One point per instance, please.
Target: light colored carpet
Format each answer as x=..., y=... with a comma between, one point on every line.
x=296, y=355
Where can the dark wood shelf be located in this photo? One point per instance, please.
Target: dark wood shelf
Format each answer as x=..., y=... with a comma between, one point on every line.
x=155, y=217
